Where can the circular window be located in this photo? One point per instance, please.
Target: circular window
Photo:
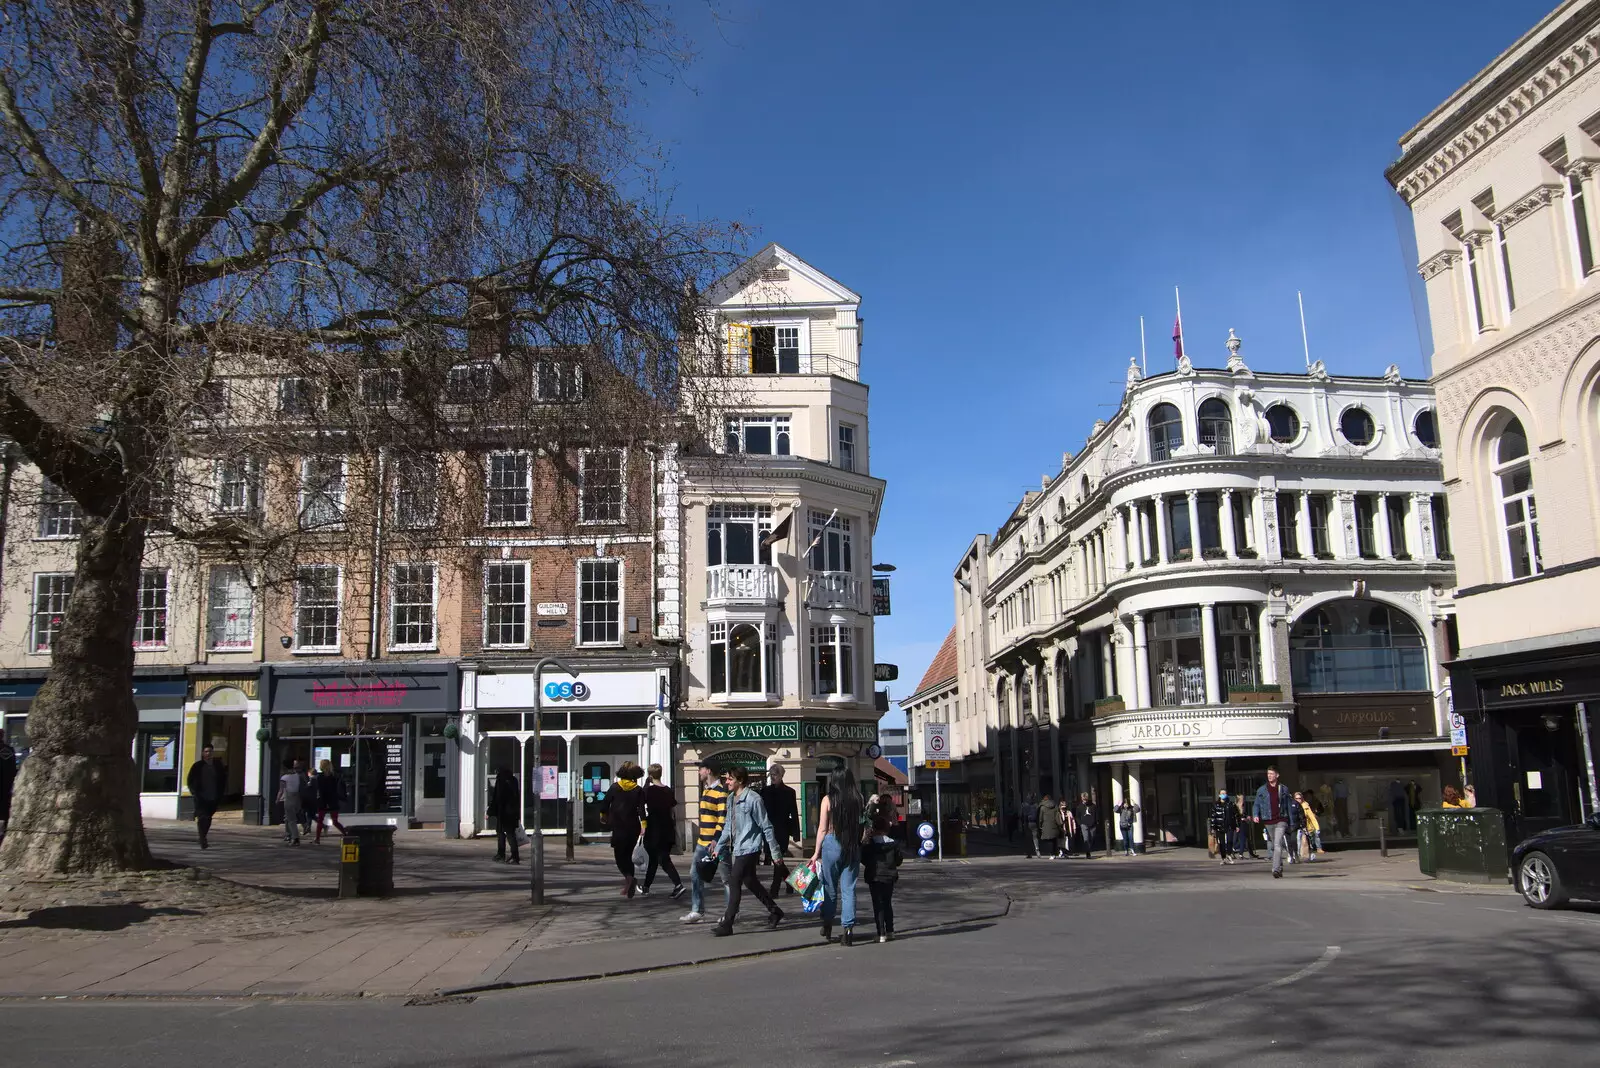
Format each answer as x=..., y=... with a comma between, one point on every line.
x=1283, y=423
x=1427, y=428
x=1356, y=426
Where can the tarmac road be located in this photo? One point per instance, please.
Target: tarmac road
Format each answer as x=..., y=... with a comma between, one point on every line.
x=1232, y=969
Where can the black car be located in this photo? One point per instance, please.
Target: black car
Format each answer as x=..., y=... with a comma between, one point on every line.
x=1559, y=864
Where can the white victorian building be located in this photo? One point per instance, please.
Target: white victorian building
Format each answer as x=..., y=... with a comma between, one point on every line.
x=1240, y=569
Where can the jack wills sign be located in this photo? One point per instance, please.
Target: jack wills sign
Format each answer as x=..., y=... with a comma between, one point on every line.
x=1556, y=684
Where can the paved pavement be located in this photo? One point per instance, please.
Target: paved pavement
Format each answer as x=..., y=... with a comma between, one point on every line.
x=1155, y=960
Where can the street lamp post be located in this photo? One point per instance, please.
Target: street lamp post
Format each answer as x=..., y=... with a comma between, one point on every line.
x=536, y=832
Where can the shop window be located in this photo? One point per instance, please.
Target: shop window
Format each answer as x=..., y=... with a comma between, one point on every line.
x=157, y=746
x=413, y=606
x=742, y=658
x=1216, y=426
x=59, y=514
x=833, y=661
x=1166, y=431
x=50, y=596
x=1519, y=512
x=316, y=608
x=150, y=626
x=1177, y=658
x=510, y=490
x=505, y=605
x=322, y=491
x=600, y=602
x=601, y=490
x=1238, y=651
x=736, y=533
x=416, y=492
x=230, y=610
x=1357, y=646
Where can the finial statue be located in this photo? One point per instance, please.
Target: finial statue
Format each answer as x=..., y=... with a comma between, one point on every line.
x=1135, y=376
x=1235, y=361
x=1391, y=374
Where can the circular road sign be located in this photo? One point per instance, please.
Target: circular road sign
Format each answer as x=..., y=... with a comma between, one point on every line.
x=925, y=831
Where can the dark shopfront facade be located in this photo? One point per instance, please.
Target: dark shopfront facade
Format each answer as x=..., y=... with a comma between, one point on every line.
x=1523, y=729
x=382, y=728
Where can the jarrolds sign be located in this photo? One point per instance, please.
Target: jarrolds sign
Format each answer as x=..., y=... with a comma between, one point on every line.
x=362, y=692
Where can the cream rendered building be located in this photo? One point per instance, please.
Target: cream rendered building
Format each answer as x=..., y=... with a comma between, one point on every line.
x=778, y=519
x=1503, y=182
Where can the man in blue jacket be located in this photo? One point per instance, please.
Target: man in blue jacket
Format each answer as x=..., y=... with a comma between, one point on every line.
x=746, y=829
x=1278, y=815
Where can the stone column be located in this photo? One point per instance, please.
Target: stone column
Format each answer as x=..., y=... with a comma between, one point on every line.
x=1141, y=662
x=1163, y=544
x=1225, y=515
x=1110, y=810
x=1194, y=523
x=1380, y=526
x=1219, y=776
x=1107, y=662
x=1267, y=525
x=1422, y=523
x=1208, y=644
x=1307, y=546
x=1104, y=538
x=1127, y=670
x=1147, y=543
x=1136, y=795
x=1124, y=523
x=1267, y=650
x=1346, y=513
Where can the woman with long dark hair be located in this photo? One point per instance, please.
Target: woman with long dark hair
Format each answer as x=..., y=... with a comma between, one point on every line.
x=839, y=851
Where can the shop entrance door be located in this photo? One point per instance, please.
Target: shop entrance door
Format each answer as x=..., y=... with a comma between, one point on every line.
x=428, y=776
x=1194, y=808
x=1542, y=778
x=599, y=757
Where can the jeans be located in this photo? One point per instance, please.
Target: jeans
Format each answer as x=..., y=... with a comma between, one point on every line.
x=1127, y=839
x=744, y=875
x=1279, y=834
x=882, y=906
x=839, y=879
x=697, y=885
x=1086, y=838
x=291, y=819
x=324, y=814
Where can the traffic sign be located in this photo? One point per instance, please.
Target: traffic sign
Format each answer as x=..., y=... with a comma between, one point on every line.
x=925, y=831
x=1458, y=750
x=936, y=741
x=936, y=765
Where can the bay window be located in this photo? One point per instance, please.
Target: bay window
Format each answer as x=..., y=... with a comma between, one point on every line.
x=833, y=661
x=742, y=658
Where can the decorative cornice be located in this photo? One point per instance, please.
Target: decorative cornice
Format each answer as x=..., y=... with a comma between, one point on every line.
x=1493, y=122
x=1439, y=263
x=1521, y=365
x=1541, y=197
x=1477, y=238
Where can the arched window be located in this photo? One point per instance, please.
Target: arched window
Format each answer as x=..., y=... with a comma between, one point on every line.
x=1357, y=646
x=1519, y=514
x=743, y=658
x=1216, y=426
x=1166, y=431
x=1003, y=696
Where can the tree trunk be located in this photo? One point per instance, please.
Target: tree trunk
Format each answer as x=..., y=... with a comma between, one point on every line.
x=76, y=805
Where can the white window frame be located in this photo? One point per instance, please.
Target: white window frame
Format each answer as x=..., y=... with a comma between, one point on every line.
x=216, y=627
x=1525, y=500
x=396, y=606
x=379, y=387
x=306, y=391
x=839, y=443
x=838, y=637
x=408, y=473
x=621, y=602
x=338, y=608
x=831, y=537
x=777, y=424
x=770, y=669
x=1577, y=199
x=527, y=593
x=744, y=347
x=475, y=393
x=565, y=377
x=338, y=498
x=251, y=482
x=65, y=581
x=153, y=618
x=722, y=515
x=490, y=489
x=622, y=486
x=58, y=509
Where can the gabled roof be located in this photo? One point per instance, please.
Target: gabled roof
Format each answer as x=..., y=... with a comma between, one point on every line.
x=775, y=255
x=943, y=668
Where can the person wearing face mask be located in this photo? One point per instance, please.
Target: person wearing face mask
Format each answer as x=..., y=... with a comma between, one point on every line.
x=1224, y=825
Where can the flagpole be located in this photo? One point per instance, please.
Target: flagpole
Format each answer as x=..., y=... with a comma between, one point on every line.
x=1144, y=367
x=1179, y=302
x=1304, y=341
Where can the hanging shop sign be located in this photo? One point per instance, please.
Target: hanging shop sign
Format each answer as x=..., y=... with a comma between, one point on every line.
x=880, y=595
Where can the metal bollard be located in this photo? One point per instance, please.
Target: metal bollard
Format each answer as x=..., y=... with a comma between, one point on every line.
x=1383, y=843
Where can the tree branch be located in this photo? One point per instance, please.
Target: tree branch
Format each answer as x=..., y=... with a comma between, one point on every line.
x=89, y=476
x=33, y=149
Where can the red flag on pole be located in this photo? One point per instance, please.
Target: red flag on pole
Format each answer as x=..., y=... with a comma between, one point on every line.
x=1177, y=337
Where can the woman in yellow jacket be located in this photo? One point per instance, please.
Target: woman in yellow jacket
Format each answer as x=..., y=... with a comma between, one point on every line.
x=1310, y=829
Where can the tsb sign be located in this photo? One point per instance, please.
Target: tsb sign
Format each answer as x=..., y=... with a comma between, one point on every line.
x=566, y=691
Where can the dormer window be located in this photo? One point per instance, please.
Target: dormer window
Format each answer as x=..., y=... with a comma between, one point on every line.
x=558, y=381
x=469, y=383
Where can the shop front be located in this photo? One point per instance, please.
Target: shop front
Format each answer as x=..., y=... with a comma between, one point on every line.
x=157, y=746
x=1527, y=716
x=223, y=711
x=381, y=730
x=589, y=726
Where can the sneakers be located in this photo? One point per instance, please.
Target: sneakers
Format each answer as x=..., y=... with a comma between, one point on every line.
x=1277, y=875
x=882, y=939
x=677, y=891
x=644, y=891
x=693, y=917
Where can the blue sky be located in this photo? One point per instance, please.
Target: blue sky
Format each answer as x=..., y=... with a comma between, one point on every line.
x=1011, y=186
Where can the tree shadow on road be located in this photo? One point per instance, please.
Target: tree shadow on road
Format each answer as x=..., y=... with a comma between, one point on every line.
x=92, y=917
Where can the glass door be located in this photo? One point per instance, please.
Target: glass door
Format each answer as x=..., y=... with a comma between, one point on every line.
x=428, y=775
x=553, y=777
x=504, y=755
x=599, y=757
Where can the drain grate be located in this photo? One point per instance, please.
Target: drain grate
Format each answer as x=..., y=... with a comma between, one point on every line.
x=441, y=999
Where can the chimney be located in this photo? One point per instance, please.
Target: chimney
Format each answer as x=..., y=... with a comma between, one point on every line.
x=488, y=327
x=85, y=313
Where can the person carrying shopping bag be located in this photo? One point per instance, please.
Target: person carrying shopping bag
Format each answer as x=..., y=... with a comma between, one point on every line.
x=839, y=851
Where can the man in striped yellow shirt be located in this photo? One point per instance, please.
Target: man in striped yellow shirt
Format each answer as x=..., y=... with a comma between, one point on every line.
x=713, y=814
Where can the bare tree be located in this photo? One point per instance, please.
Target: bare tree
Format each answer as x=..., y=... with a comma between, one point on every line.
x=257, y=232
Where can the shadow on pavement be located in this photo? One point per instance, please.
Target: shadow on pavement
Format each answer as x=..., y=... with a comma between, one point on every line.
x=92, y=917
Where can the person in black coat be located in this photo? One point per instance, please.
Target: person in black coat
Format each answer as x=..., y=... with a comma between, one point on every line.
x=659, y=831
x=783, y=810
x=208, y=782
x=505, y=805
x=1088, y=816
x=624, y=813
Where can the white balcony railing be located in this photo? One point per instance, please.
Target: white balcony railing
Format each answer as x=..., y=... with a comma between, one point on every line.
x=743, y=582
x=1179, y=685
x=833, y=589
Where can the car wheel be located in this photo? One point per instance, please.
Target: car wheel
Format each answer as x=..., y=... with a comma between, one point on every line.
x=1539, y=882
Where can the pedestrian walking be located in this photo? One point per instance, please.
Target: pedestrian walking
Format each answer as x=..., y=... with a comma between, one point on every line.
x=713, y=812
x=1088, y=816
x=1126, y=813
x=1224, y=823
x=208, y=782
x=1069, y=827
x=505, y=805
x=289, y=796
x=880, y=866
x=1275, y=813
x=1030, y=824
x=1050, y=827
x=308, y=796
x=328, y=788
x=1310, y=828
x=783, y=810
x=1243, y=842
x=659, y=826
x=743, y=833
x=8, y=780
x=623, y=811
x=838, y=850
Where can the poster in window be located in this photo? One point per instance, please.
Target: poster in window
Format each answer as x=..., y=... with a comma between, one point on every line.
x=163, y=752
